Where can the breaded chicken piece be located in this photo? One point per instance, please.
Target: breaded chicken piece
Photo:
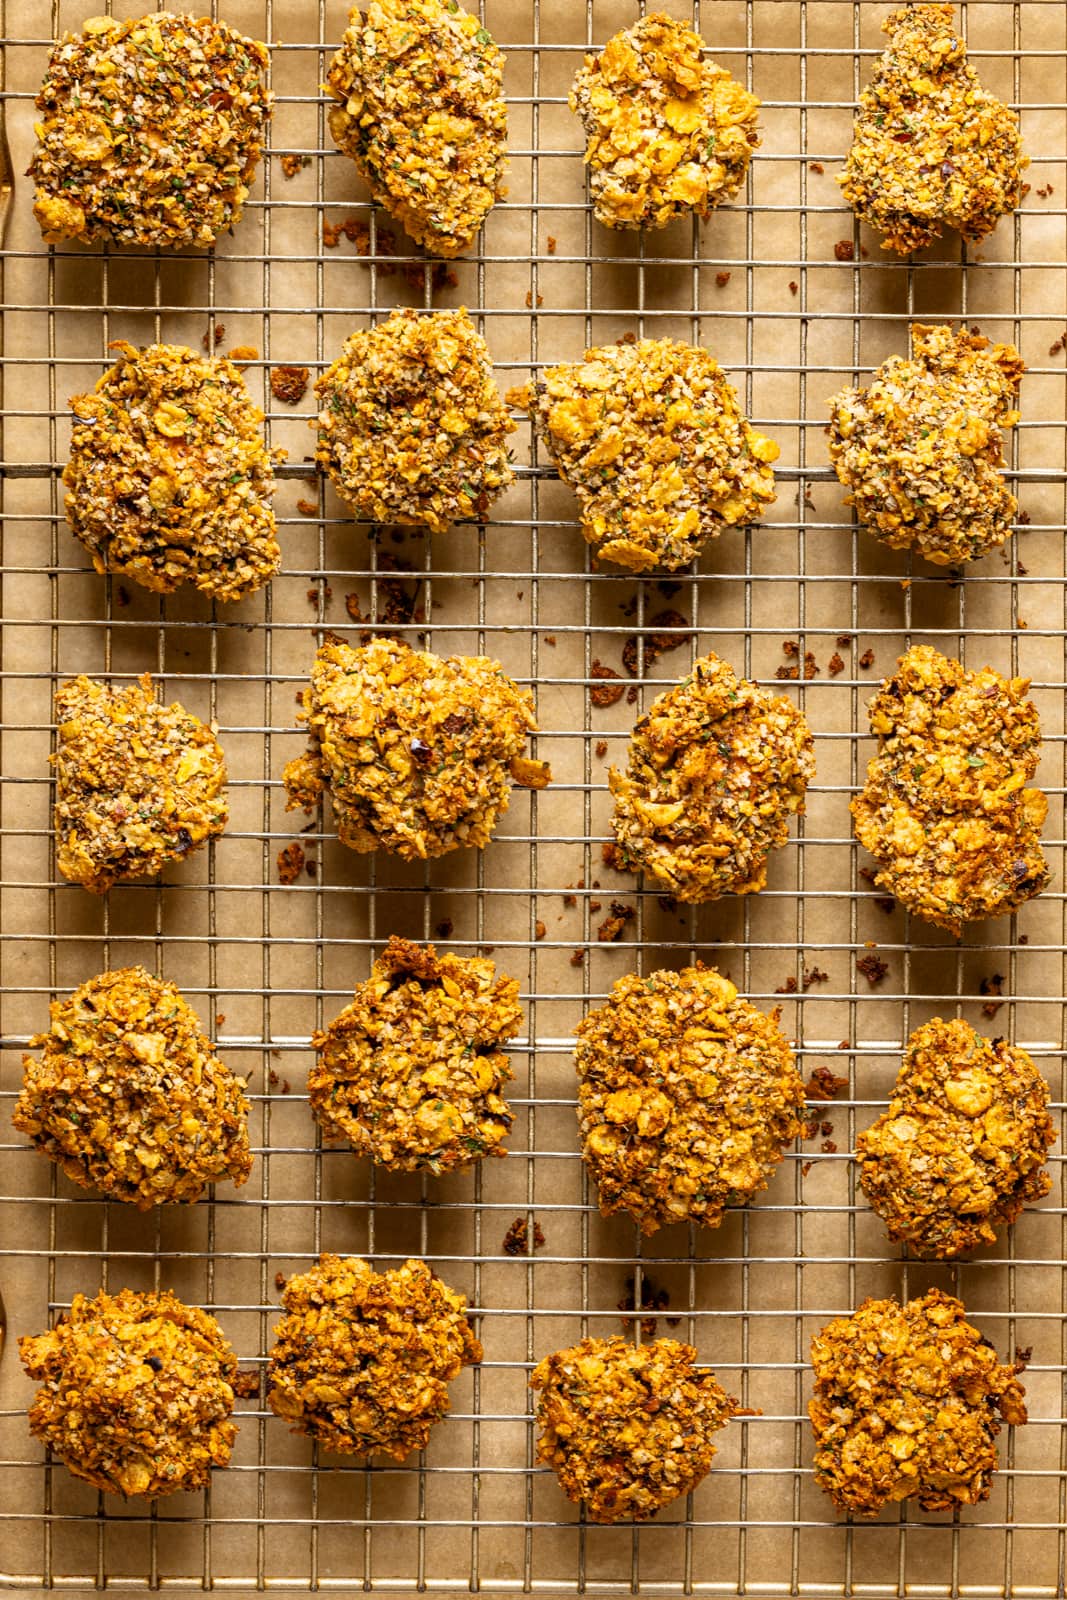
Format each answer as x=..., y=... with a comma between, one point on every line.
x=687, y=1097
x=961, y=1149
x=715, y=770
x=412, y=1072
x=667, y=129
x=627, y=1429
x=137, y=784
x=921, y=449
x=651, y=439
x=944, y=810
x=931, y=148
x=169, y=480
x=418, y=753
x=129, y=1097
x=136, y=1392
x=412, y=428
x=419, y=86
x=362, y=1360
x=149, y=131
x=908, y=1404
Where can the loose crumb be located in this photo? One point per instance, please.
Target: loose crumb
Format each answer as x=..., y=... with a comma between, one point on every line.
x=307, y=508
x=444, y=928
x=551, y=244
x=539, y=929
x=516, y=1240
x=816, y=167
x=601, y=749
x=722, y=279
x=216, y=336
x=873, y=968
x=845, y=250
x=653, y=645
x=867, y=658
x=577, y=958
x=793, y=286
x=824, y=1084
x=289, y=384
x=606, y=693
x=292, y=164
x=611, y=928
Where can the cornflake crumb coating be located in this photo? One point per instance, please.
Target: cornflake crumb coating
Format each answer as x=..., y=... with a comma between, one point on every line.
x=625, y=1428
x=931, y=148
x=921, y=450
x=169, y=480
x=136, y=1392
x=908, y=1404
x=129, y=1098
x=412, y=428
x=668, y=130
x=944, y=810
x=961, y=1149
x=149, y=131
x=411, y=1072
x=687, y=1097
x=651, y=439
x=715, y=770
x=419, y=86
x=362, y=1360
x=418, y=753
x=137, y=784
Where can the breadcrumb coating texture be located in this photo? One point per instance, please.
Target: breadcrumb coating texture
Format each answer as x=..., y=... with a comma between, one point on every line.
x=411, y=1073
x=136, y=1392
x=687, y=1097
x=169, y=480
x=137, y=784
x=412, y=427
x=625, y=1428
x=908, y=1404
x=149, y=131
x=668, y=130
x=418, y=753
x=650, y=437
x=362, y=1360
x=129, y=1098
x=921, y=449
x=931, y=148
x=419, y=86
x=715, y=770
x=944, y=810
x=962, y=1146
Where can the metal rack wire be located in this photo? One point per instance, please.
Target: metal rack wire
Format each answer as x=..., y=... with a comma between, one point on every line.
x=782, y=289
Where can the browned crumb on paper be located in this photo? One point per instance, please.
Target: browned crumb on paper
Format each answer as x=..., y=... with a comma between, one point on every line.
x=610, y=690
x=873, y=968
x=517, y=1239
x=824, y=1084
x=671, y=630
x=291, y=862
x=289, y=384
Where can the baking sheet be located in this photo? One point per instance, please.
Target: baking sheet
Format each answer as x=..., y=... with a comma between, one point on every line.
x=763, y=285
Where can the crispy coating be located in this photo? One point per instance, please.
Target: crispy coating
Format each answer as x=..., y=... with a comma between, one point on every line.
x=411, y=1072
x=908, y=1404
x=625, y=1428
x=668, y=130
x=150, y=131
x=136, y=1392
x=944, y=810
x=169, y=480
x=362, y=1360
x=687, y=1096
x=137, y=784
x=931, y=148
x=418, y=753
x=651, y=439
x=961, y=1149
x=412, y=428
x=419, y=86
x=129, y=1098
x=921, y=450
x=716, y=768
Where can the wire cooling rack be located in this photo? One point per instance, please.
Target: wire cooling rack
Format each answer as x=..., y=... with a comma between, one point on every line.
x=794, y=301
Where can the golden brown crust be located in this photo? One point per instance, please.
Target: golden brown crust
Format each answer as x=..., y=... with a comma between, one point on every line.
x=149, y=131
x=921, y=449
x=944, y=810
x=137, y=784
x=412, y=1073
x=667, y=129
x=715, y=770
x=961, y=1148
x=169, y=480
x=687, y=1097
x=931, y=148
x=129, y=1098
x=362, y=1360
x=908, y=1404
x=627, y=1429
x=419, y=86
x=136, y=1392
